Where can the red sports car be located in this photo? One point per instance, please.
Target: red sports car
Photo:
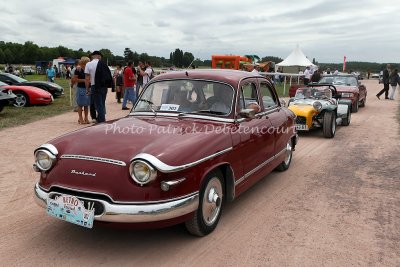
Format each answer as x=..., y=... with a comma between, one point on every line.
x=194, y=141
x=28, y=95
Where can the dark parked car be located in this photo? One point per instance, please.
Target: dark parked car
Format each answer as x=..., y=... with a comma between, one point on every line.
x=53, y=88
x=6, y=97
x=348, y=87
x=194, y=141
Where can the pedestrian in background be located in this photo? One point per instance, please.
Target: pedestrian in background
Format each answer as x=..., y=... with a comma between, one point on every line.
x=139, y=79
x=394, y=81
x=307, y=75
x=98, y=79
x=129, y=85
x=50, y=73
x=119, y=83
x=147, y=74
x=82, y=97
x=386, y=82
x=73, y=87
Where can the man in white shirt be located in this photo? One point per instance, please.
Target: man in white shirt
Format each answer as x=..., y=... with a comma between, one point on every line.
x=147, y=73
x=307, y=75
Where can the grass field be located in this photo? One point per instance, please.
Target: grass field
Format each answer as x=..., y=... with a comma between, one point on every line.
x=12, y=116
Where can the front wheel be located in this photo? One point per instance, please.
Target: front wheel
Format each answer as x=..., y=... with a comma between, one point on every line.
x=22, y=100
x=288, y=157
x=364, y=102
x=329, y=124
x=354, y=108
x=346, y=121
x=211, y=201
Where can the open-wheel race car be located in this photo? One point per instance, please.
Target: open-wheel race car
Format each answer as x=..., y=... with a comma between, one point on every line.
x=320, y=106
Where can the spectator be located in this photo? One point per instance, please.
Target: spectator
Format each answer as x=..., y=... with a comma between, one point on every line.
x=394, y=80
x=307, y=75
x=129, y=84
x=50, y=73
x=386, y=82
x=98, y=79
x=147, y=74
x=139, y=80
x=82, y=98
x=316, y=76
x=119, y=82
x=73, y=87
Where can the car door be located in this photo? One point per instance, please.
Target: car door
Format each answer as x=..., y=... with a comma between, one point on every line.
x=256, y=147
x=276, y=115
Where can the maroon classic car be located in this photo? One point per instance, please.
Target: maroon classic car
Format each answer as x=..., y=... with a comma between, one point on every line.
x=348, y=87
x=193, y=141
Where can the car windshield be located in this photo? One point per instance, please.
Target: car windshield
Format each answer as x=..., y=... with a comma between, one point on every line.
x=187, y=96
x=340, y=80
x=14, y=77
x=313, y=93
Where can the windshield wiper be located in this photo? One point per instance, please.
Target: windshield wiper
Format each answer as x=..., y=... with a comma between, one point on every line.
x=151, y=104
x=202, y=111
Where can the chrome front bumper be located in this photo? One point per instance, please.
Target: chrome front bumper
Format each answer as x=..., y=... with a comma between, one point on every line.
x=135, y=213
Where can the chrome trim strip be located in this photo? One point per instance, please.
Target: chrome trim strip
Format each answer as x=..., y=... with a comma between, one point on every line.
x=135, y=213
x=174, y=182
x=241, y=179
x=53, y=150
x=161, y=166
x=114, y=201
x=91, y=158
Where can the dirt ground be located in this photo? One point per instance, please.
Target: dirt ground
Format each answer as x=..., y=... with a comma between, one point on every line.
x=337, y=205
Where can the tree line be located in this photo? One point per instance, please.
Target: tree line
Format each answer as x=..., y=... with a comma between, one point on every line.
x=29, y=53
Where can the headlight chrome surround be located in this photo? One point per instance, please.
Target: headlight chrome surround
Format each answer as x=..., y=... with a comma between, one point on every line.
x=317, y=105
x=44, y=159
x=142, y=172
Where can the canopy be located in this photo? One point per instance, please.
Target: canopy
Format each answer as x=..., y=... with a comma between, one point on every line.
x=295, y=59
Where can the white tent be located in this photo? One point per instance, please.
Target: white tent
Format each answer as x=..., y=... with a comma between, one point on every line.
x=295, y=59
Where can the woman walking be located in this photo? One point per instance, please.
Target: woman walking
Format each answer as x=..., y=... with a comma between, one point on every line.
x=394, y=80
x=83, y=97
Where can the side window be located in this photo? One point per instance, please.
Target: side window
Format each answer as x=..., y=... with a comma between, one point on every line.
x=248, y=95
x=268, y=97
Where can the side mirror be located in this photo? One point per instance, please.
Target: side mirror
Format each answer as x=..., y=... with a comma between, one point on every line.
x=283, y=102
x=247, y=113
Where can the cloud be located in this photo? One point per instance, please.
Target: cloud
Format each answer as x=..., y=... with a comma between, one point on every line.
x=363, y=30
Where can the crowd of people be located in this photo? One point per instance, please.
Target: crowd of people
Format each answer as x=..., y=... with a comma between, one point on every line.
x=91, y=78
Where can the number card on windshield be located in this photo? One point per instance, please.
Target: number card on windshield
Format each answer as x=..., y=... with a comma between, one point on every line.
x=169, y=107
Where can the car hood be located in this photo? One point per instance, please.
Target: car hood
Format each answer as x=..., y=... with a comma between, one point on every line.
x=28, y=89
x=347, y=89
x=171, y=140
x=44, y=83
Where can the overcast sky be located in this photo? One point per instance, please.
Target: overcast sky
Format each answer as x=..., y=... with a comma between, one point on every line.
x=365, y=30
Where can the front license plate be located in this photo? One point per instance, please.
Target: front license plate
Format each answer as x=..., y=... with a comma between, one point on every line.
x=70, y=209
x=301, y=127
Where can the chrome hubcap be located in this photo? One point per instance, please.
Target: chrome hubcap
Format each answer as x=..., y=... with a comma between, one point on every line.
x=20, y=101
x=288, y=154
x=212, y=201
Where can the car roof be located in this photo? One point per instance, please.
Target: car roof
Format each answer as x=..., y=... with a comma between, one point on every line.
x=232, y=77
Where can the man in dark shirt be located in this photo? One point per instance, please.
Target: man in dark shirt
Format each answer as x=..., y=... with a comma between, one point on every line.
x=139, y=81
x=386, y=82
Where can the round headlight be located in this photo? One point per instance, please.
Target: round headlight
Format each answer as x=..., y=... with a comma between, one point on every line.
x=142, y=172
x=44, y=159
x=317, y=105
